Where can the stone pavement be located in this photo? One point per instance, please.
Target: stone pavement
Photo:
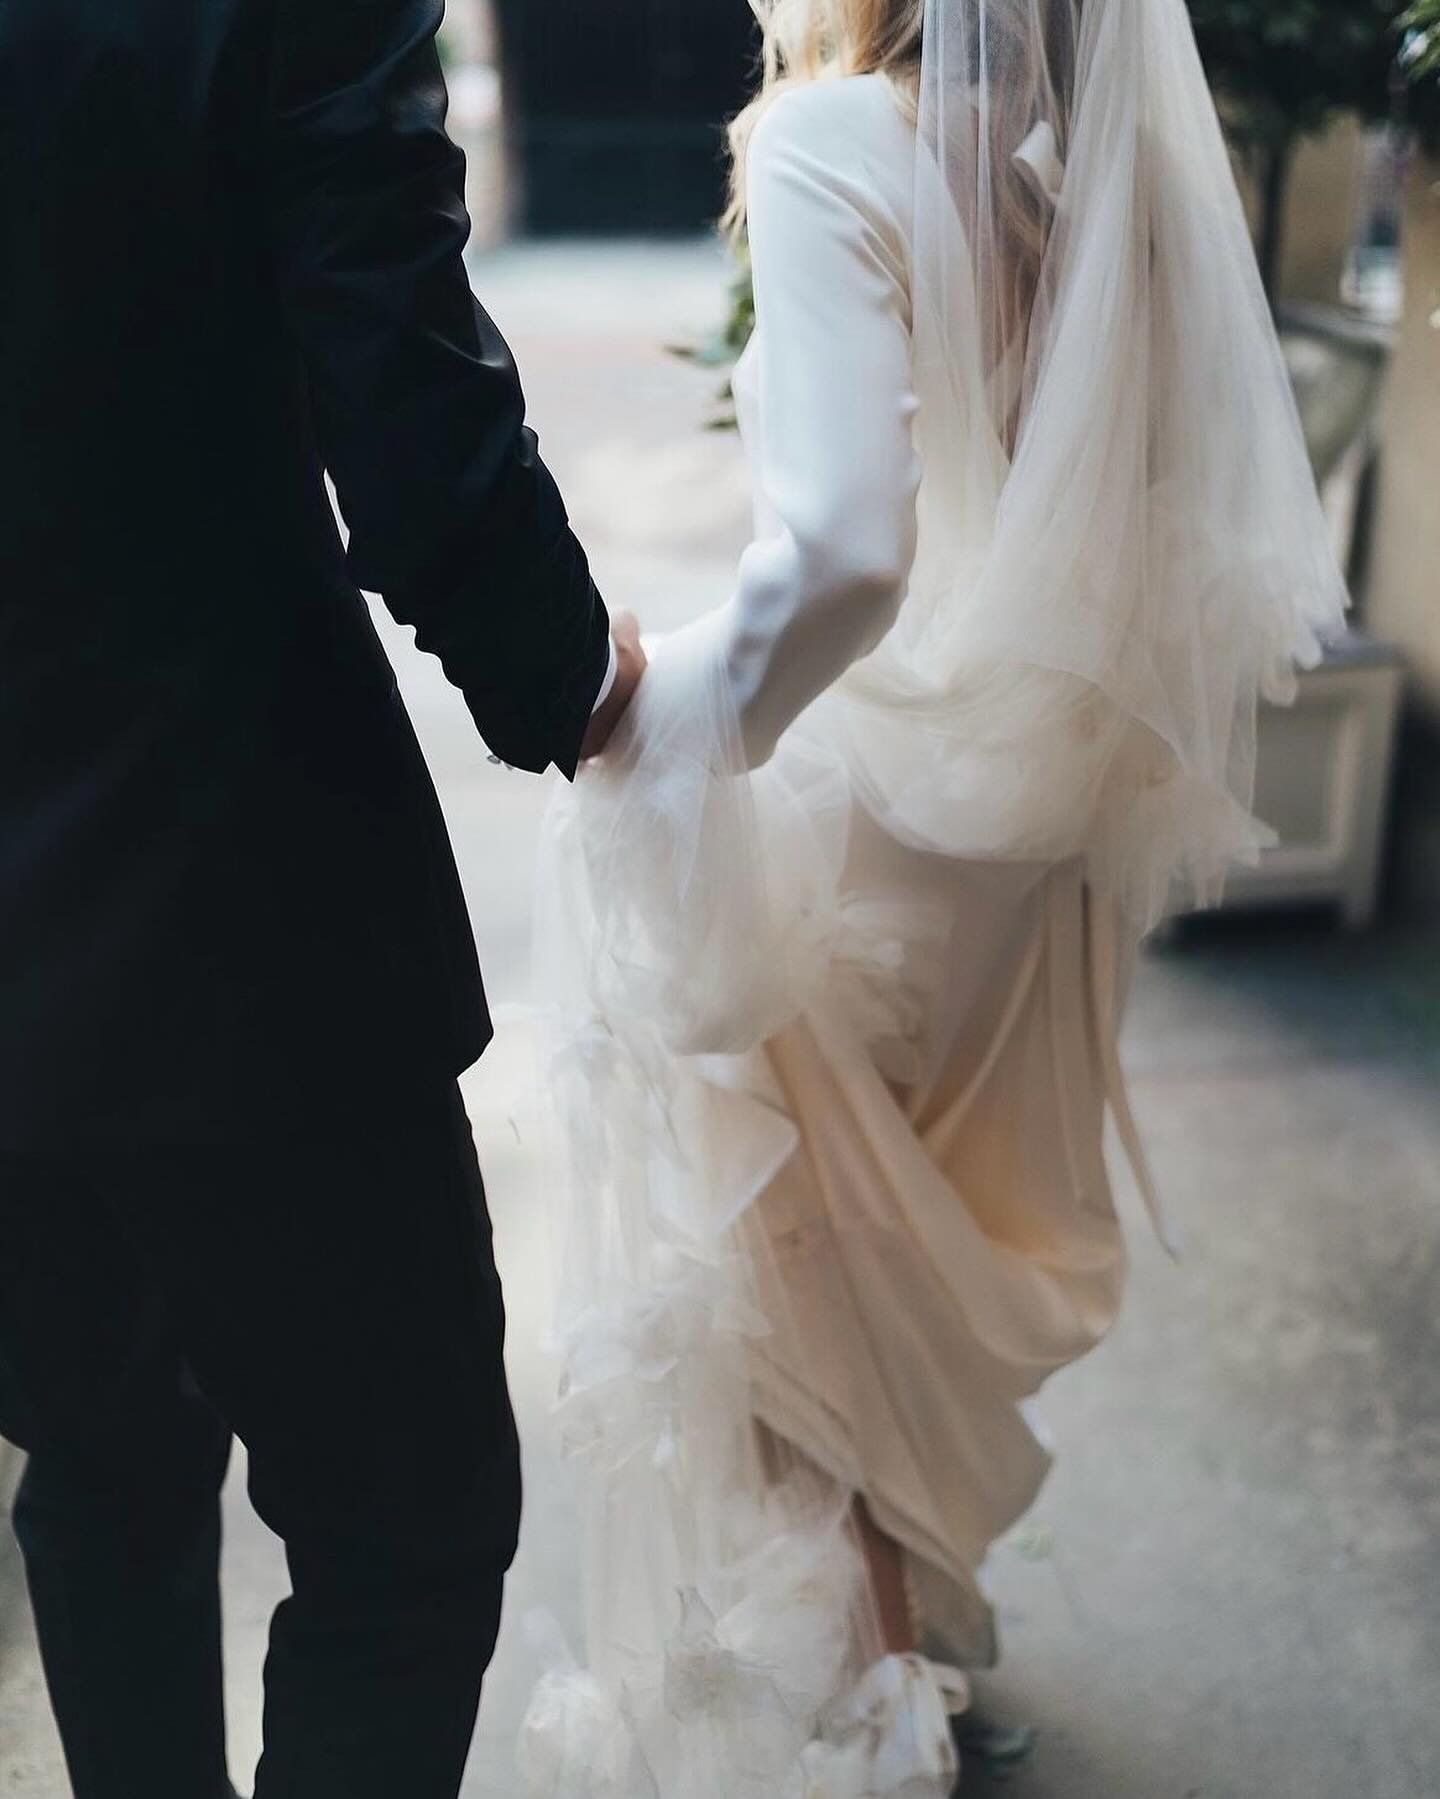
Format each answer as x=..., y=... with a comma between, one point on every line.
x=1230, y=1588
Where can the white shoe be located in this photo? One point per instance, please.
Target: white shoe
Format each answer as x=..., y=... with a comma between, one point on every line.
x=891, y=1738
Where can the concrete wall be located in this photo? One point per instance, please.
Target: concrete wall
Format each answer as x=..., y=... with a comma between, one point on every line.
x=1324, y=204
x=1404, y=600
x=1320, y=214
x=1404, y=592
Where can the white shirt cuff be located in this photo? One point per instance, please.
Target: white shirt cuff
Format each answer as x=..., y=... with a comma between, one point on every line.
x=607, y=685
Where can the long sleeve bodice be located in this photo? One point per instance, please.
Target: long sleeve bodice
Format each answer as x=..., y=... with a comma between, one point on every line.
x=826, y=400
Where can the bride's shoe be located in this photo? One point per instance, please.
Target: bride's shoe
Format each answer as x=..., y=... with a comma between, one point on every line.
x=891, y=1738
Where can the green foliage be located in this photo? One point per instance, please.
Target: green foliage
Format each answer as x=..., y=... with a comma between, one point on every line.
x=1286, y=66
x=1422, y=51
x=724, y=348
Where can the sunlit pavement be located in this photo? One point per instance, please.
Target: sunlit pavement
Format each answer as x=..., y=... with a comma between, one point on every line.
x=1229, y=1590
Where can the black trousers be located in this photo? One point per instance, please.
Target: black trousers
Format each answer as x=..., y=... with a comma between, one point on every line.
x=334, y=1302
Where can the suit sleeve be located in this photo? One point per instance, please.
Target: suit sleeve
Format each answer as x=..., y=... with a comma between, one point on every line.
x=417, y=404
x=833, y=458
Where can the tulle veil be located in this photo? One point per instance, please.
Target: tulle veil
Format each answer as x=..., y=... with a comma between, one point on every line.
x=1121, y=552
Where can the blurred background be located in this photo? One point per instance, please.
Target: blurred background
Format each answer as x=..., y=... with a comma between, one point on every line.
x=1231, y=1589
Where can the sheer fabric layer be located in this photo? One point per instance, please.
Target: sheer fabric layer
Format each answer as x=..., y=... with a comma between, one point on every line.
x=1121, y=549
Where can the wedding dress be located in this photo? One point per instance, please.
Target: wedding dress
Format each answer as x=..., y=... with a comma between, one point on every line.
x=837, y=935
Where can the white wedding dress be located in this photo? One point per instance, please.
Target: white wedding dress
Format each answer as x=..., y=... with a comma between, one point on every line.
x=838, y=935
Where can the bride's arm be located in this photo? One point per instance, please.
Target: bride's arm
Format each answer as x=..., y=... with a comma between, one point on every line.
x=835, y=461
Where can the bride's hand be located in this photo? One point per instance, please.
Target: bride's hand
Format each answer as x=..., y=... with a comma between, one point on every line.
x=629, y=667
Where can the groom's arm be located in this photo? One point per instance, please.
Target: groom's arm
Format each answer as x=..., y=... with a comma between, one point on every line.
x=416, y=399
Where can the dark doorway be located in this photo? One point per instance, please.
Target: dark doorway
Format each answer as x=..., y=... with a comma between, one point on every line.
x=617, y=109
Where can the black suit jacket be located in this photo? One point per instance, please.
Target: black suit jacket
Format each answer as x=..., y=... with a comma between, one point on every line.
x=230, y=261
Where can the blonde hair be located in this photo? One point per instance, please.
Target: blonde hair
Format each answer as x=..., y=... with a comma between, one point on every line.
x=808, y=40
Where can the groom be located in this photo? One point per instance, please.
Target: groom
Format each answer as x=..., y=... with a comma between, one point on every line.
x=237, y=982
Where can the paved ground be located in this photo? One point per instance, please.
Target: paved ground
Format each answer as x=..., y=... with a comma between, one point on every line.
x=1230, y=1589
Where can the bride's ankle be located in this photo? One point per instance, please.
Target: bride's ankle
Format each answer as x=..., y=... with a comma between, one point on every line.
x=891, y=1587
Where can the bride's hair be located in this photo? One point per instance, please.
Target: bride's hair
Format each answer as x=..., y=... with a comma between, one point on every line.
x=808, y=40
x=812, y=40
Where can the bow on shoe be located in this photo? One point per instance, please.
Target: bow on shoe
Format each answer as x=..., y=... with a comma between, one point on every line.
x=891, y=1738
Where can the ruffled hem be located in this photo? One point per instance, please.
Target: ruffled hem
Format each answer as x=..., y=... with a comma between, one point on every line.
x=691, y=914
x=726, y=1604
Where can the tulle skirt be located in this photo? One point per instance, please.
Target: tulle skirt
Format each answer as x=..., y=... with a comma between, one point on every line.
x=838, y=1205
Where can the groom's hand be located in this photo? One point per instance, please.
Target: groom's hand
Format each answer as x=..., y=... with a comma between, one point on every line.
x=629, y=667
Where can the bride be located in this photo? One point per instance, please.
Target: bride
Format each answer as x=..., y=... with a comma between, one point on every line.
x=839, y=929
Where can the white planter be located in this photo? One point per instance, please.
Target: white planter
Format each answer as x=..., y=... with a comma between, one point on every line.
x=1323, y=783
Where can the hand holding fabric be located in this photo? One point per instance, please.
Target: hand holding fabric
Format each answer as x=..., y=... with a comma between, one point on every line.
x=630, y=665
